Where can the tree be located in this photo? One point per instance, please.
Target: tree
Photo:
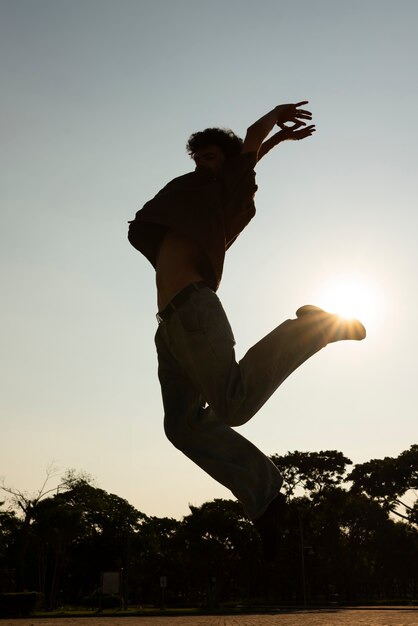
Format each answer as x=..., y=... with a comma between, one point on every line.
x=157, y=550
x=93, y=531
x=55, y=526
x=26, y=504
x=390, y=481
x=9, y=529
x=73, y=529
x=222, y=549
x=311, y=471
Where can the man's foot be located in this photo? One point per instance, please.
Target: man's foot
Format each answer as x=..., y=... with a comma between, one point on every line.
x=308, y=308
x=270, y=527
x=333, y=326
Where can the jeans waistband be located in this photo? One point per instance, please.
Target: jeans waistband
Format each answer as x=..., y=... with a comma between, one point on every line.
x=178, y=300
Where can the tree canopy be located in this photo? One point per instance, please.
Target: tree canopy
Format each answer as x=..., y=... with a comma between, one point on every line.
x=391, y=481
x=341, y=540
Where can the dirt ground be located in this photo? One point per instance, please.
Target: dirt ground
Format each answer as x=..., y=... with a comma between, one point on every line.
x=331, y=617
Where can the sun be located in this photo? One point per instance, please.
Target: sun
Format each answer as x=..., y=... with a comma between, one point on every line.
x=352, y=296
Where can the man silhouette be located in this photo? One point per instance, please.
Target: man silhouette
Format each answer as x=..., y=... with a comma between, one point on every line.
x=184, y=231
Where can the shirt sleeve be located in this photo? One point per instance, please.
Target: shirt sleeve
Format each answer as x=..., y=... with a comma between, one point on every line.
x=237, y=169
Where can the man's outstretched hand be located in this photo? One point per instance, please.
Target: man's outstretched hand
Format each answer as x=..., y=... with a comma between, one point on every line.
x=290, y=118
x=291, y=113
x=287, y=133
x=294, y=134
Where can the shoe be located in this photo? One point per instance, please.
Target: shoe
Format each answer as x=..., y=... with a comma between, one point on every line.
x=270, y=527
x=333, y=326
x=308, y=308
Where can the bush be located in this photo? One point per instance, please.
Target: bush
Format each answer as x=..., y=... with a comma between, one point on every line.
x=102, y=601
x=19, y=604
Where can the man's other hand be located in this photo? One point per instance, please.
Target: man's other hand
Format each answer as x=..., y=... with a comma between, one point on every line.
x=291, y=113
x=293, y=133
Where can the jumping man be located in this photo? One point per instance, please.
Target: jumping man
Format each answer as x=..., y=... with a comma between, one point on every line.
x=184, y=231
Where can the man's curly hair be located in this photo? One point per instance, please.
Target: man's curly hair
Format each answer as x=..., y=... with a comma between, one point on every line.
x=224, y=138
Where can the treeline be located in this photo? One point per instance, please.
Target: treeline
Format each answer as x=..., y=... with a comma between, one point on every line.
x=351, y=536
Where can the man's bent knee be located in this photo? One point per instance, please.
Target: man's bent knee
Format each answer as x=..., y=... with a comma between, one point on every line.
x=176, y=432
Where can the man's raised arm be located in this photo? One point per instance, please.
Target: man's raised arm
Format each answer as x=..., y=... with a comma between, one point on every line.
x=280, y=115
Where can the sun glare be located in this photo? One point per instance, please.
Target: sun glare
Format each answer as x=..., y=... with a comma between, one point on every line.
x=352, y=296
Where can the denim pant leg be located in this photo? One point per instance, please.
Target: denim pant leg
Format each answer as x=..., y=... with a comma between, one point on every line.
x=270, y=361
x=190, y=371
x=197, y=365
x=201, y=340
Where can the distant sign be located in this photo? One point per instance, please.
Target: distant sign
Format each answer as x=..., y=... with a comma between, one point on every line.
x=111, y=582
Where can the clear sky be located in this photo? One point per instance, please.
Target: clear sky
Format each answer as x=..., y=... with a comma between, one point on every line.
x=98, y=100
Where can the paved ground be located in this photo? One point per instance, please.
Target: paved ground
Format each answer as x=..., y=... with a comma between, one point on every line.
x=326, y=617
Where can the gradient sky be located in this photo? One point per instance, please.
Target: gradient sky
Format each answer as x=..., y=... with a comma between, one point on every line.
x=98, y=100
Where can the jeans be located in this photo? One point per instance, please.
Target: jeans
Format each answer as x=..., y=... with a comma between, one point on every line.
x=206, y=393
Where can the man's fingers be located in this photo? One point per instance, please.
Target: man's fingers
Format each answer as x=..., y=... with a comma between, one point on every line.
x=305, y=132
x=290, y=117
x=305, y=114
x=302, y=112
x=291, y=113
x=291, y=124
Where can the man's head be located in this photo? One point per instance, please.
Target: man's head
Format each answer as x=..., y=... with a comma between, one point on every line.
x=211, y=147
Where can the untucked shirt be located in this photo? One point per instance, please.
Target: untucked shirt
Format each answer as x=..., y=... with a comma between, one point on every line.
x=209, y=209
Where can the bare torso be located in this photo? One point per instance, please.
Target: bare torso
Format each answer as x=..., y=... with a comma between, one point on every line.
x=177, y=266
